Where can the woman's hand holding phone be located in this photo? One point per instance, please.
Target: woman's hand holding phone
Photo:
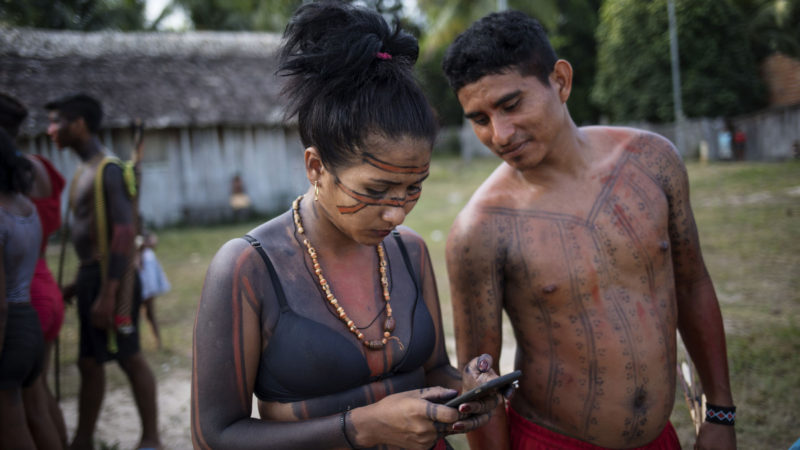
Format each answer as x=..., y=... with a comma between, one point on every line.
x=500, y=384
x=480, y=392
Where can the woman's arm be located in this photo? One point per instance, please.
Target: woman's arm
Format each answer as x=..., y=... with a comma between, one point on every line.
x=228, y=340
x=227, y=347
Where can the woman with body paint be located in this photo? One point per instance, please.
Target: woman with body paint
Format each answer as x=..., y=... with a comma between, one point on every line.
x=329, y=313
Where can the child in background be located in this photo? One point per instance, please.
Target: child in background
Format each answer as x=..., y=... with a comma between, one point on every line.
x=154, y=280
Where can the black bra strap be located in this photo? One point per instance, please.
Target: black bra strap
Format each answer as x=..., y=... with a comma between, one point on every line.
x=276, y=282
x=406, y=258
x=413, y=276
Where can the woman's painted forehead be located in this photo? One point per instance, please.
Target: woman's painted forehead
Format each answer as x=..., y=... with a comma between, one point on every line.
x=399, y=152
x=414, y=167
x=385, y=168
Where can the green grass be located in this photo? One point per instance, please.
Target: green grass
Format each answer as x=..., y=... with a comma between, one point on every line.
x=748, y=216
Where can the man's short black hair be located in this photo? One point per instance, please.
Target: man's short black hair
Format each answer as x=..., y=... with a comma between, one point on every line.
x=502, y=41
x=79, y=106
x=12, y=113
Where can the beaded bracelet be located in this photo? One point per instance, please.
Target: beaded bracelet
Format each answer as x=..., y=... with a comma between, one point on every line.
x=723, y=415
x=344, y=430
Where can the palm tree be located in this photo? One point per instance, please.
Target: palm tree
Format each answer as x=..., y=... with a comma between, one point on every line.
x=446, y=19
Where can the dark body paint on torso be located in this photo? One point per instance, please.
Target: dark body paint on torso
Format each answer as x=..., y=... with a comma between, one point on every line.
x=313, y=362
x=589, y=286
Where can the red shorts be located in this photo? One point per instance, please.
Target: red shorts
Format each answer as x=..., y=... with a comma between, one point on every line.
x=526, y=435
x=441, y=444
x=47, y=300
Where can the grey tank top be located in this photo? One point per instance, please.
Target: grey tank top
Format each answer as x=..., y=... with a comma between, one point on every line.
x=20, y=237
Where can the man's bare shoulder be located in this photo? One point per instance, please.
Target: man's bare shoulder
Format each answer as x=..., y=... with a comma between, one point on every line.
x=498, y=191
x=643, y=143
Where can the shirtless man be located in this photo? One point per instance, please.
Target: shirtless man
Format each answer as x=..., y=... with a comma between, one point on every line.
x=585, y=236
x=74, y=122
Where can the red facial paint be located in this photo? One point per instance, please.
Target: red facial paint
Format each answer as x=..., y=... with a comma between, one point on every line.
x=364, y=200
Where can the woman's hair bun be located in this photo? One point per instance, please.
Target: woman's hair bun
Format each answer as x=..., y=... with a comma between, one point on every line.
x=339, y=44
x=347, y=72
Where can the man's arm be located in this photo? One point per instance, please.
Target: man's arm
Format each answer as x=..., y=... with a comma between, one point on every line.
x=119, y=206
x=699, y=317
x=438, y=371
x=476, y=286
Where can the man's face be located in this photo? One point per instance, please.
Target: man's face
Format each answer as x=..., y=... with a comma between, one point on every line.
x=515, y=116
x=60, y=129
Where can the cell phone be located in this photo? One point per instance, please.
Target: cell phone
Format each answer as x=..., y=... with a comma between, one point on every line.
x=498, y=383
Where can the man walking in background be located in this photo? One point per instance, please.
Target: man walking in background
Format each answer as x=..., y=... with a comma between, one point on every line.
x=107, y=277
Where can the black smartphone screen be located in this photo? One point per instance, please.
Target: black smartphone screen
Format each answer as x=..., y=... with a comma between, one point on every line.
x=497, y=383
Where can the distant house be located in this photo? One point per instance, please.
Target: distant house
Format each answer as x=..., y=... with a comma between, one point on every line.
x=209, y=101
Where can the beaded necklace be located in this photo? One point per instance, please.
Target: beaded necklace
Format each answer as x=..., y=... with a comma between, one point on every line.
x=388, y=324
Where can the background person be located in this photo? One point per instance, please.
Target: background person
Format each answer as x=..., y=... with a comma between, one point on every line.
x=239, y=201
x=44, y=415
x=21, y=340
x=586, y=237
x=325, y=313
x=103, y=281
x=153, y=279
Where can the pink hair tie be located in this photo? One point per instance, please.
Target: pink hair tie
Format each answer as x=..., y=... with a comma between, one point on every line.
x=383, y=55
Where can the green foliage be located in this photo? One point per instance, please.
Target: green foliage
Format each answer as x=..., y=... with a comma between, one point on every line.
x=239, y=15
x=773, y=26
x=82, y=15
x=764, y=369
x=573, y=39
x=259, y=15
x=434, y=83
x=444, y=21
x=719, y=74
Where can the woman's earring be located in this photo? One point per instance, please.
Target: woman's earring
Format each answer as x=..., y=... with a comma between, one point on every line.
x=316, y=190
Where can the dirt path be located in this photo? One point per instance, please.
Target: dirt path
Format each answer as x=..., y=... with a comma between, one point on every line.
x=119, y=421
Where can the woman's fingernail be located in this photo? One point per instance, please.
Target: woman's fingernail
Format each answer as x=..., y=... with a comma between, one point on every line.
x=458, y=427
x=483, y=365
x=464, y=408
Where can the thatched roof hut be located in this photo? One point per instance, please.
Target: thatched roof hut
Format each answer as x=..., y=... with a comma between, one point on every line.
x=209, y=101
x=168, y=79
